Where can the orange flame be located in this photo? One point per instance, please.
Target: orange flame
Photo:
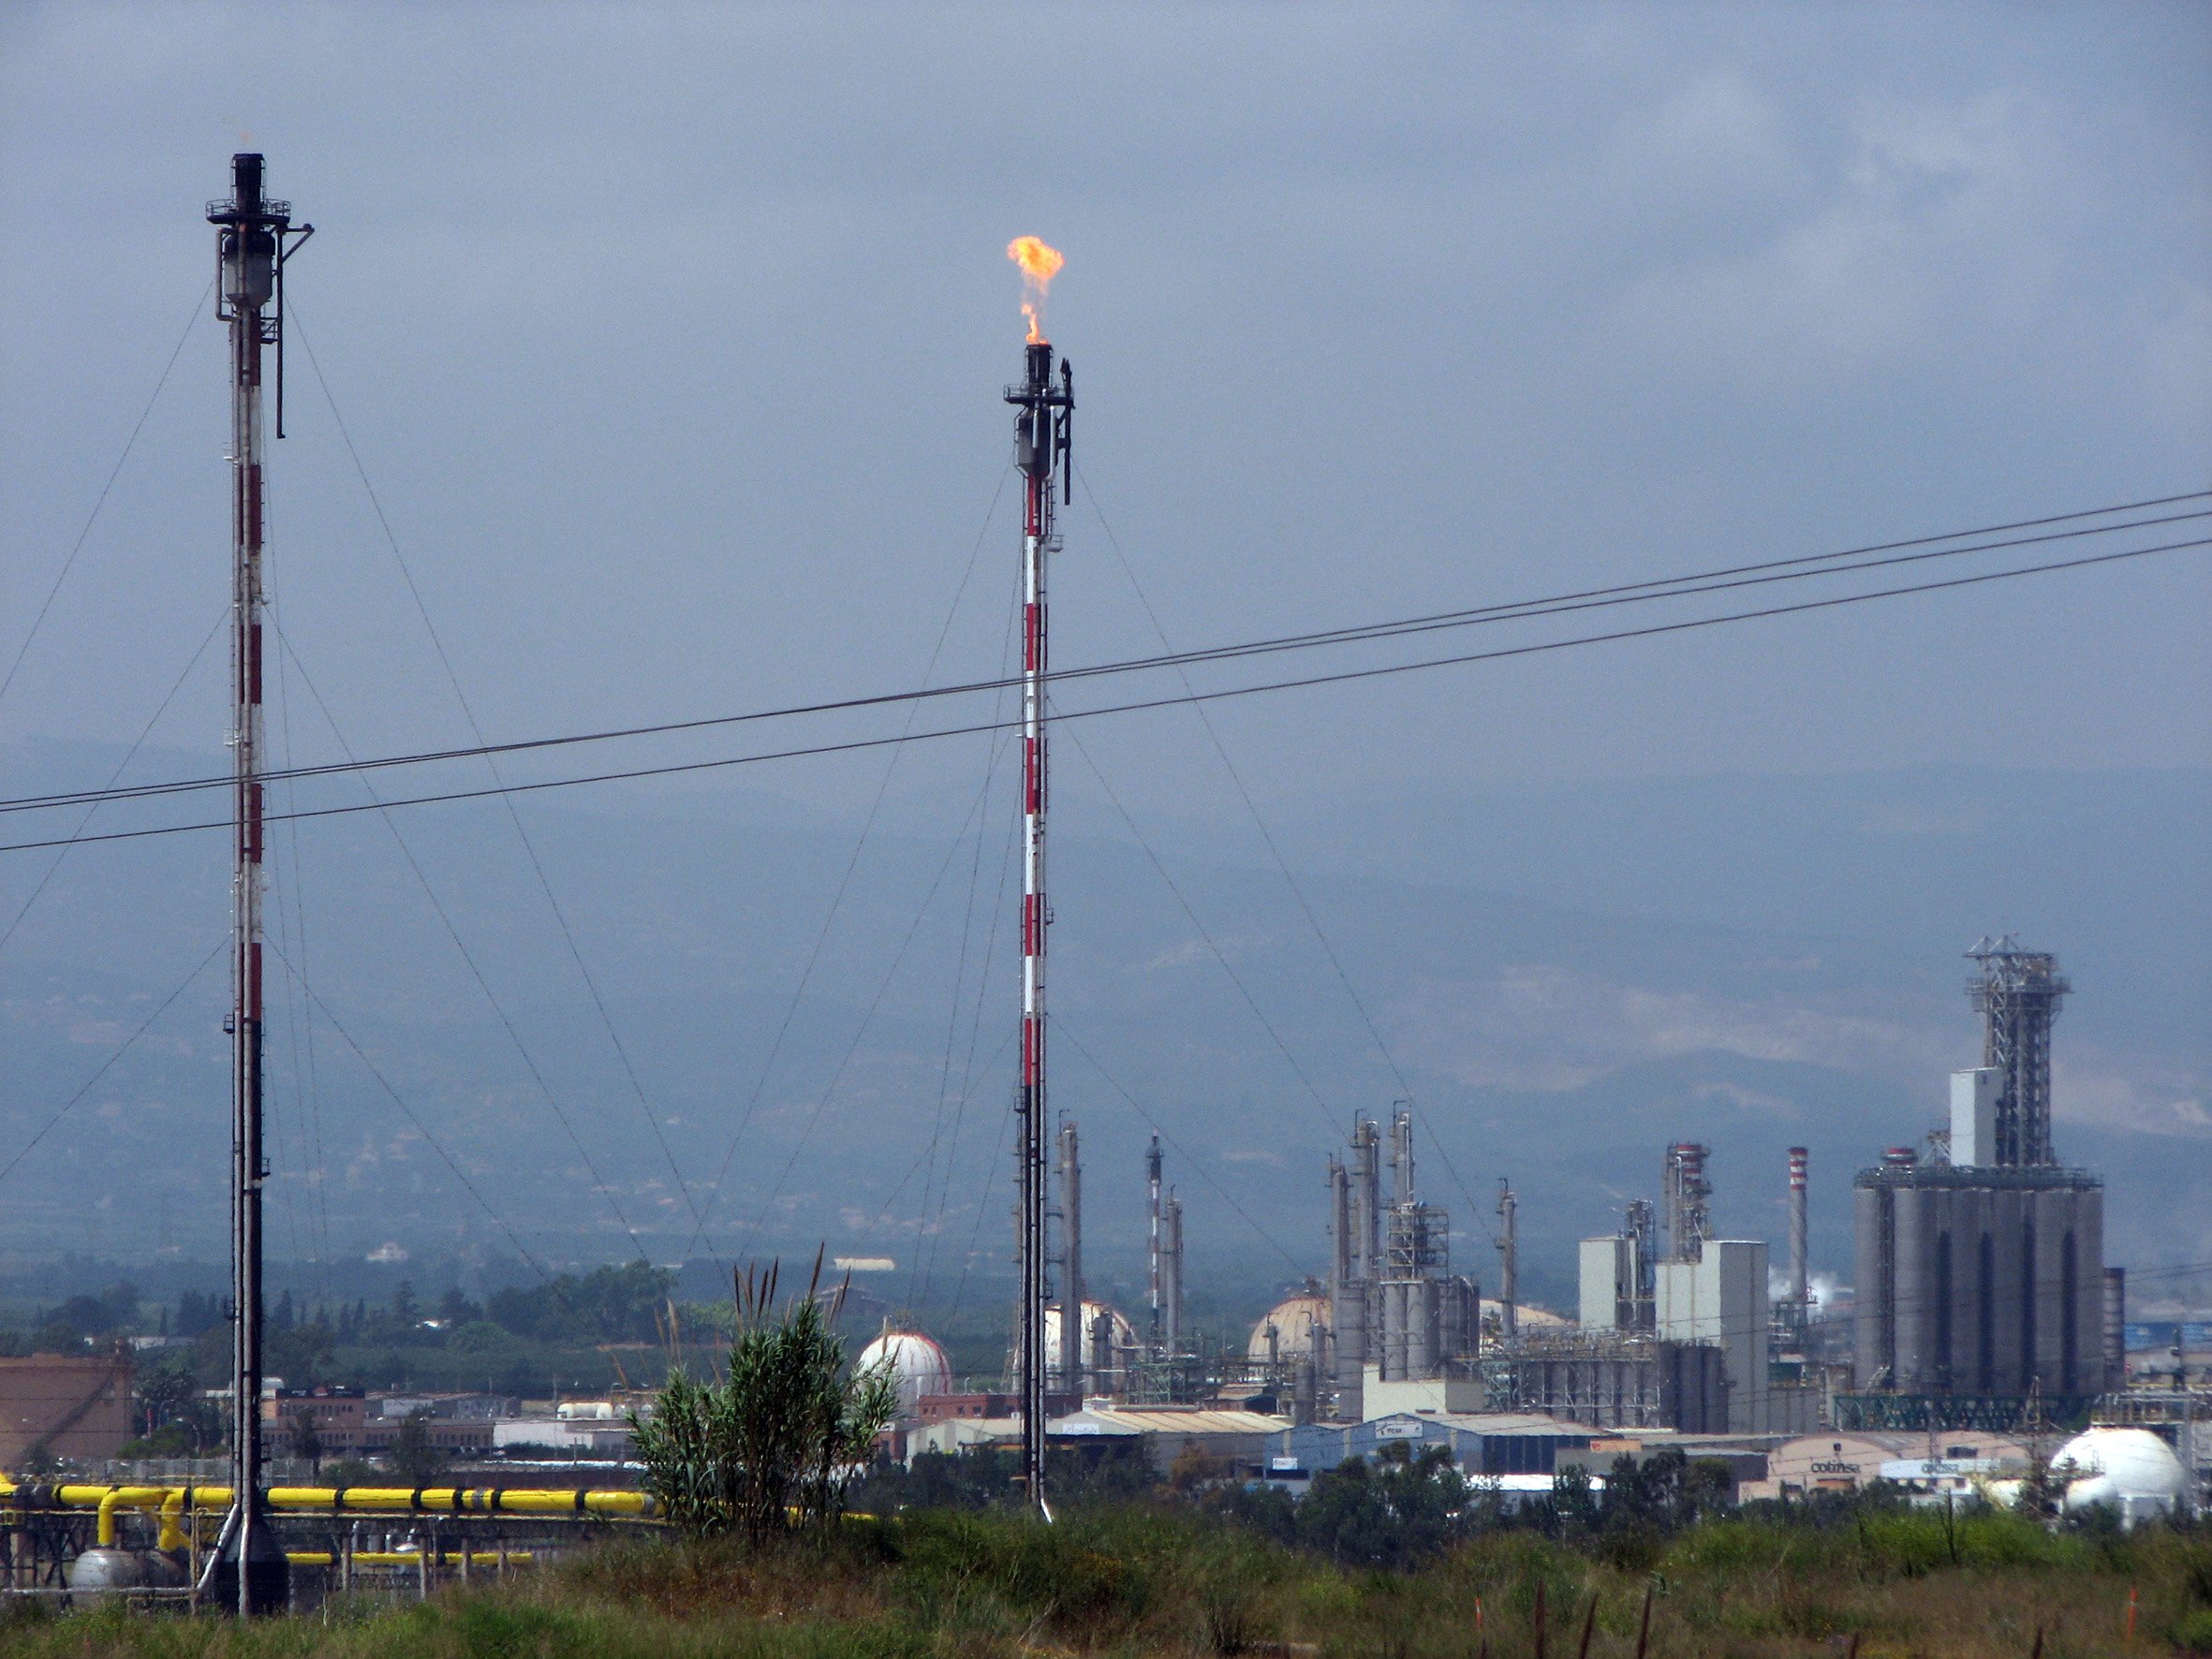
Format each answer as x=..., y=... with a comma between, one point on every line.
x=1039, y=262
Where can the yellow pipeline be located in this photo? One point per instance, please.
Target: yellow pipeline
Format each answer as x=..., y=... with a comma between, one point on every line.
x=401, y=1558
x=548, y=1503
x=123, y=1497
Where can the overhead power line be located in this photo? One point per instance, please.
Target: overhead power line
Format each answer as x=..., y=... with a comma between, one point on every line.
x=108, y=1064
x=1720, y=580
x=61, y=576
x=1340, y=677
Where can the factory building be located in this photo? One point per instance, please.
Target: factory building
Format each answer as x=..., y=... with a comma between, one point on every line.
x=1682, y=1341
x=1719, y=1299
x=1611, y=1379
x=1404, y=1329
x=1479, y=1443
x=1981, y=1266
x=63, y=1405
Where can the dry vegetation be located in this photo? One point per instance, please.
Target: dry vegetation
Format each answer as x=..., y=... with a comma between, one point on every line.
x=1148, y=1577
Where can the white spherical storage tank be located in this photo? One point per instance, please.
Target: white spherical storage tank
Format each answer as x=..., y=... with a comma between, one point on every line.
x=2130, y=1470
x=1121, y=1344
x=918, y=1365
x=1295, y=1318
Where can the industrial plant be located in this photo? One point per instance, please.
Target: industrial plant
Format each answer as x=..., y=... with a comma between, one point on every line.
x=1983, y=1323
x=1981, y=1267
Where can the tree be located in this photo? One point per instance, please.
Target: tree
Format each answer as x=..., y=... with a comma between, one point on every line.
x=1573, y=1505
x=307, y=1441
x=1393, y=1513
x=411, y=1456
x=300, y=1354
x=607, y=1304
x=197, y=1313
x=351, y=1472
x=166, y=1393
x=780, y=1436
x=456, y=1309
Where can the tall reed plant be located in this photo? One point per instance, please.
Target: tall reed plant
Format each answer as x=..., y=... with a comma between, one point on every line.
x=772, y=1445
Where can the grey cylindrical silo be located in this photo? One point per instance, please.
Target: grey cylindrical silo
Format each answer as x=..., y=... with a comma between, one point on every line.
x=1974, y=1354
x=2091, y=1369
x=2008, y=1226
x=1913, y=1288
x=2054, y=1226
x=1872, y=1330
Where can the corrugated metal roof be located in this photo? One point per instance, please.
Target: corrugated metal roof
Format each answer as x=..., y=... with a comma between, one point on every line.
x=1496, y=1422
x=1112, y=1420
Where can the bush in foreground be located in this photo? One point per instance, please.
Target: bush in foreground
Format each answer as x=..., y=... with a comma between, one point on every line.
x=1166, y=1577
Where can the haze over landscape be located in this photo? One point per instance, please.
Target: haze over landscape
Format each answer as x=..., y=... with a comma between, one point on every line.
x=1598, y=599
x=679, y=396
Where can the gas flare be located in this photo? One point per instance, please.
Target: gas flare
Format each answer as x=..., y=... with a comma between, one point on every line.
x=1039, y=262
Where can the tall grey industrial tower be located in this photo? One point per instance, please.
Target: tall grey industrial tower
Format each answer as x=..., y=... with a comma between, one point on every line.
x=1981, y=1270
x=2017, y=995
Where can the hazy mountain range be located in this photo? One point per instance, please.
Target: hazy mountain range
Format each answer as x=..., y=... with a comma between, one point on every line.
x=1564, y=977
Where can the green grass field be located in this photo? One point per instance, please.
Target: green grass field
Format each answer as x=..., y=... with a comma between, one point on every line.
x=1147, y=1577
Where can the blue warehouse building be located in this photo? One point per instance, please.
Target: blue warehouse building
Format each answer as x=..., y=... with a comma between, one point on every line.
x=1480, y=1443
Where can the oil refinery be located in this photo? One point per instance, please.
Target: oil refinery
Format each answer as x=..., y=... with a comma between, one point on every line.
x=1979, y=1344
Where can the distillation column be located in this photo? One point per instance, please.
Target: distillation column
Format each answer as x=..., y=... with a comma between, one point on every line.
x=1074, y=1334
x=1151, y=1194
x=1172, y=1255
x=1508, y=1319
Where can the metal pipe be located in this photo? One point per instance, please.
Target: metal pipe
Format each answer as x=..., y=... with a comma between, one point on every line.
x=1367, y=1197
x=1151, y=1174
x=1508, y=1319
x=549, y=1503
x=1175, y=1284
x=1073, y=1346
x=130, y=1497
x=401, y=1558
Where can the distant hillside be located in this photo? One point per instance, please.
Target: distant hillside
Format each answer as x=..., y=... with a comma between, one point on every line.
x=1567, y=978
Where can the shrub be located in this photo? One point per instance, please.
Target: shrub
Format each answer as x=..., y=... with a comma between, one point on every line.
x=778, y=1437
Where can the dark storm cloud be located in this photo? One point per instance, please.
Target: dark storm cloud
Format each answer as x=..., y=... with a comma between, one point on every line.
x=670, y=336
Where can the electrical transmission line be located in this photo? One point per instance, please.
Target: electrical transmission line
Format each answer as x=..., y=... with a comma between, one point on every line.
x=1340, y=677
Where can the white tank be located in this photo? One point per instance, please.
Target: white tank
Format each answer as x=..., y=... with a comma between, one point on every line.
x=2130, y=1470
x=918, y=1365
x=1294, y=1319
x=1121, y=1341
x=107, y=1569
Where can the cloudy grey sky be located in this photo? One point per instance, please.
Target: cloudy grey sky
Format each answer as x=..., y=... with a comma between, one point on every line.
x=671, y=338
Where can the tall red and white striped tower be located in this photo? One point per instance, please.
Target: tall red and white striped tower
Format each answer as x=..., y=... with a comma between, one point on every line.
x=247, y=1569
x=1798, y=1292
x=1041, y=426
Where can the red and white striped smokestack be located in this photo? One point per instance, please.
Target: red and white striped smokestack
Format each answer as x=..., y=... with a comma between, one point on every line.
x=255, y=235
x=1043, y=413
x=1797, y=1245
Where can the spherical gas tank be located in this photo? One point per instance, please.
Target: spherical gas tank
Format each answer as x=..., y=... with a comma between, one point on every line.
x=2118, y=1466
x=918, y=1365
x=105, y=1568
x=1296, y=1321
